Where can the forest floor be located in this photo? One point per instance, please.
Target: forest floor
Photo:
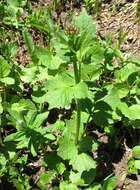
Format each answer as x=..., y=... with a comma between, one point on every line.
x=118, y=20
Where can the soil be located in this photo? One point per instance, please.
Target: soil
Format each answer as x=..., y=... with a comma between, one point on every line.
x=119, y=18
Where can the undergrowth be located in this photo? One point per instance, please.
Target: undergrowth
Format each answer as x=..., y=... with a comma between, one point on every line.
x=73, y=88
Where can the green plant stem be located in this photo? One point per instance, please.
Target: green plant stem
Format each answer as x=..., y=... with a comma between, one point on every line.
x=80, y=70
x=78, y=121
x=78, y=109
x=76, y=72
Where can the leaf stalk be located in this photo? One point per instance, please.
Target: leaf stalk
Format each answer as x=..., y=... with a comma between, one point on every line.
x=77, y=74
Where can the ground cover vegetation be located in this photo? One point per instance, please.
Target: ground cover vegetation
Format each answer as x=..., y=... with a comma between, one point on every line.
x=69, y=99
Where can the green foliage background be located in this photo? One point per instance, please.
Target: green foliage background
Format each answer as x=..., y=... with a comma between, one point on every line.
x=73, y=81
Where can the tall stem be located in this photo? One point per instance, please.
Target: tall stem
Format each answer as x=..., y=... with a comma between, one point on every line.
x=76, y=72
x=78, y=120
x=78, y=109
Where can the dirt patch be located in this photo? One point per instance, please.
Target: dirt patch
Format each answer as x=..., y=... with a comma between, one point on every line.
x=119, y=20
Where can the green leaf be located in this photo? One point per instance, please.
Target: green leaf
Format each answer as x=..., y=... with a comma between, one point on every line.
x=23, y=104
x=67, y=148
x=60, y=43
x=80, y=90
x=84, y=178
x=76, y=178
x=9, y=149
x=83, y=162
x=85, y=169
x=16, y=3
x=45, y=179
x=43, y=74
x=112, y=98
x=136, y=152
x=97, y=54
x=47, y=59
x=91, y=71
x=40, y=118
x=50, y=137
x=88, y=144
x=63, y=90
x=22, y=160
x=114, y=101
x=85, y=24
x=59, y=125
x=54, y=162
x=37, y=137
x=28, y=41
x=14, y=136
x=137, y=164
x=103, y=111
x=23, y=143
x=131, y=167
x=28, y=74
x=3, y=163
x=67, y=186
x=39, y=97
x=122, y=89
x=83, y=42
x=125, y=72
x=95, y=187
x=134, y=112
x=4, y=67
x=110, y=184
x=8, y=80
x=16, y=119
x=33, y=146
